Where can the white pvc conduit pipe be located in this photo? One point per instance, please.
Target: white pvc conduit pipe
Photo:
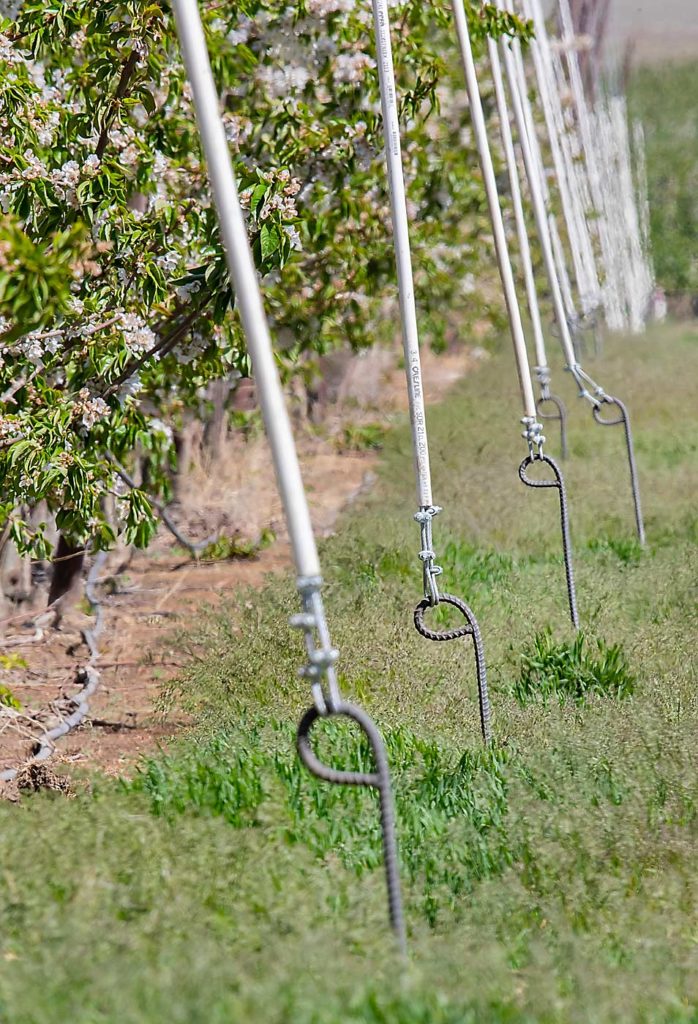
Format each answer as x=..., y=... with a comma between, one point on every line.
x=566, y=169
x=518, y=207
x=500, y=240
x=403, y=258
x=539, y=207
x=245, y=283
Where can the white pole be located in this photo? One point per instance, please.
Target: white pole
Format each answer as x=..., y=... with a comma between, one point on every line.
x=595, y=154
x=636, y=282
x=517, y=204
x=550, y=81
x=538, y=202
x=246, y=286
x=403, y=259
x=560, y=260
x=500, y=241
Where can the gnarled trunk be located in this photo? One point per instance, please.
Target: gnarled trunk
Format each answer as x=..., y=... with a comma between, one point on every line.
x=68, y=562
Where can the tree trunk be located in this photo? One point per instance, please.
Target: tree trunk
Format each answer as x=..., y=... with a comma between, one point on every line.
x=67, y=569
x=216, y=429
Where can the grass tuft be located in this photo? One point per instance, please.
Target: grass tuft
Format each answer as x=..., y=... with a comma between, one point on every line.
x=568, y=670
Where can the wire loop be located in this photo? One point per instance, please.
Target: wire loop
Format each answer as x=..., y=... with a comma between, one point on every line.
x=596, y=412
x=444, y=634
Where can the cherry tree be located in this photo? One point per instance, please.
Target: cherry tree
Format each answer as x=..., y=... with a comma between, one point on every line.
x=115, y=302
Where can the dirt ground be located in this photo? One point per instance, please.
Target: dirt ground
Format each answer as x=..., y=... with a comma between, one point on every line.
x=163, y=588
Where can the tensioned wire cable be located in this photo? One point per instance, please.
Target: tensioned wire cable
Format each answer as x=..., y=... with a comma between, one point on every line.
x=320, y=670
x=533, y=429
x=410, y=340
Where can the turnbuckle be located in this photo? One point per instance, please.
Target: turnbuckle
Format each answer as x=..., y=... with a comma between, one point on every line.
x=543, y=377
x=322, y=657
x=533, y=435
x=427, y=554
x=584, y=382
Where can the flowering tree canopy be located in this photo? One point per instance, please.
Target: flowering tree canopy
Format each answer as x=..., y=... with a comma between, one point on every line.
x=115, y=301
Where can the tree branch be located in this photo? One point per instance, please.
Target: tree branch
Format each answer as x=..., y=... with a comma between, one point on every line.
x=127, y=71
x=161, y=347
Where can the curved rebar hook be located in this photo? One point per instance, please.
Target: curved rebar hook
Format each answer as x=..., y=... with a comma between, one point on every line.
x=558, y=482
x=560, y=415
x=624, y=418
x=380, y=780
x=433, y=597
x=471, y=628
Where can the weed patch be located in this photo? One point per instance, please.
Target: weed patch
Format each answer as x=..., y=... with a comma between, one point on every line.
x=627, y=550
x=451, y=810
x=568, y=670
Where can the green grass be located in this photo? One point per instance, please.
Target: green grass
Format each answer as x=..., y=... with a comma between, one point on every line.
x=566, y=669
x=550, y=879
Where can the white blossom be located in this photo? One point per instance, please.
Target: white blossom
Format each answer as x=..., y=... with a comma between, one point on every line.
x=168, y=262
x=242, y=33
x=184, y=292
x=321, y=8
x=90, y=410
x=280, y=81
x=35, y=168
x=158, y=427
x=91, y=165
x=294, y=236
x=138, y=337
x=130, y=388
x=349, y=67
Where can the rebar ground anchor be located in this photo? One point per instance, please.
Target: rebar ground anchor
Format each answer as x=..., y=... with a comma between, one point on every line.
x=558, y=482
x=560, y=415
x=379, y=779
x=471, y=628
x=624, y=420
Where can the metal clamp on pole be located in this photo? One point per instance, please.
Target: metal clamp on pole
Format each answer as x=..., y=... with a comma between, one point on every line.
x=430, y=570
x=543, y=378
x=588, y=388
x=533, y=435
x=321, y=655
